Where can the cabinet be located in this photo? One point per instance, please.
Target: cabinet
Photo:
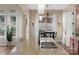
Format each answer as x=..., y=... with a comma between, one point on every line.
x=74, y=41
x=77, y=21
x=74, y=46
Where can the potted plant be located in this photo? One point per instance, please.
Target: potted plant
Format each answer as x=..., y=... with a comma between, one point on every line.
x=9, y=35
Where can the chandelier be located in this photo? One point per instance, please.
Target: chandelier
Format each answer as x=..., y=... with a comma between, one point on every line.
x=47, y=13
x=43, y=11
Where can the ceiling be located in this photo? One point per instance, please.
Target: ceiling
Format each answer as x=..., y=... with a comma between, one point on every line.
x=50, y=6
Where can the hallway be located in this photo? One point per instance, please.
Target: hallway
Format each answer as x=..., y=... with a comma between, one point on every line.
x=40, y=34
x=24, y=49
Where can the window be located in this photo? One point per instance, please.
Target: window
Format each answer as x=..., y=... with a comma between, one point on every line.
x=2, y=20
x=2, y=30
x=13, y=23
x=2, y=25
x=13, y=20
x=7, y=19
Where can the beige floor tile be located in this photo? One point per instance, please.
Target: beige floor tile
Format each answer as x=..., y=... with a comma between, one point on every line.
x=26, y=48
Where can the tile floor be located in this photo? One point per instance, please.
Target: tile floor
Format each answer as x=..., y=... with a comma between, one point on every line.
x=29, y=48
x=5, y=50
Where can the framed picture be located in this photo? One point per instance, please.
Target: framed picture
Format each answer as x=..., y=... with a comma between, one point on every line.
x=46, y=19
x=50, y=20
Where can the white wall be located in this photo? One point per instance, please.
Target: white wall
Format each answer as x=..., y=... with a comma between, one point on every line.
x=26, y=17
x=68, y=19
x=36, y=30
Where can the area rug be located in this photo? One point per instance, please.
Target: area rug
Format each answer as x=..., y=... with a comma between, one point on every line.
x=48, y=45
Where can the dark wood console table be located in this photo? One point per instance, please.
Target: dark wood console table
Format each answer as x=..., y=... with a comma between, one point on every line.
x=43, y=33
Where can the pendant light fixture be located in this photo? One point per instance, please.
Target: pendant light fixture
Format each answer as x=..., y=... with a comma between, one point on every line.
x=47, y=14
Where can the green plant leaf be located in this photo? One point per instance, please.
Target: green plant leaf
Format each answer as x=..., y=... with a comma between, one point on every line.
x=9, y=33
